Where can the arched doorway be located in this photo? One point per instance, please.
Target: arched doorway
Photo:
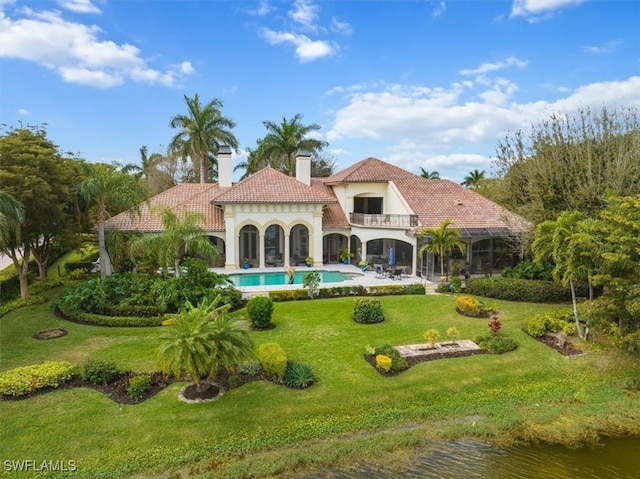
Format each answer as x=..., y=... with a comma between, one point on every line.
x=248, y=247
x=298, y=244
x=274, y=246
x=332, y=244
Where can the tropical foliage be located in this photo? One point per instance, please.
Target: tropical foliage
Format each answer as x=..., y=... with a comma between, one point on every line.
x=443, y=240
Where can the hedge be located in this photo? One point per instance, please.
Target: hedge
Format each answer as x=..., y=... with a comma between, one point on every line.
x=112, y=321
x=25, y=380
x=515, y=289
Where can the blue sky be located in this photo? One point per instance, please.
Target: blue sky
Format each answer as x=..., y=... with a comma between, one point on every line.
x=432, y=84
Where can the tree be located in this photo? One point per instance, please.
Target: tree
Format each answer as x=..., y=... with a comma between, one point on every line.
x=568, y=162
x=35, y=174
x=473, y=179
x=282, y=142
x=553, y=241
x=252, y=164
x=322, y=166
x=200, y=340
x=429, y=175
x=150, y=172
x=178, y=233
x=11, y=218
x=202, y=131
x=111, y=191
x=443, y=241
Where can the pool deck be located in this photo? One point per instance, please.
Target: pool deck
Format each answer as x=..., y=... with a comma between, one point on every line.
x=366, y=279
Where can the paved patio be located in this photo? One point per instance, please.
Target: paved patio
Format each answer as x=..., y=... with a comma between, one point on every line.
x=366, y=279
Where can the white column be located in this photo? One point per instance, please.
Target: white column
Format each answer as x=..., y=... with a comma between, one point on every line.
x=261, y=251
x=285, y=253
x=414, y=263
x=231, y=243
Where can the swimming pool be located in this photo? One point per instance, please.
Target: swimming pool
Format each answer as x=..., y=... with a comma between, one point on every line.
x=281, y=278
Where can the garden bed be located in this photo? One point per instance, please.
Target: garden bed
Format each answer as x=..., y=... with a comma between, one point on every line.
x=562, y=345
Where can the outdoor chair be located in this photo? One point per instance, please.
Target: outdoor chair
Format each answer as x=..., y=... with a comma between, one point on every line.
x=380, y=273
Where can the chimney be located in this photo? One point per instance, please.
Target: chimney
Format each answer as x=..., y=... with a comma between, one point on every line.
x=303, y=167
x=224, y=166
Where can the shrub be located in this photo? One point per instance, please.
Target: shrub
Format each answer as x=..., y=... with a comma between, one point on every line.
x=496, y=344
x=235, y=381
x=367, y=311
x=495, y=325
x=385, y=290
x=138, y=386
x=553, y=321
x=415, y=288
x=456, y=282
x=431, y=336
x=250, y=368
x=260, y=310
x=398, y=363
x=25, y=380
x=383, y=363
x=21, y=303
x=273, y=360
x=570, y=329
x=513, y=289
x=529, y=270
x=453, y=334
x=535, y=326
x=299, y=375
x=468, y=305
x=289, y=295
x=98, y=371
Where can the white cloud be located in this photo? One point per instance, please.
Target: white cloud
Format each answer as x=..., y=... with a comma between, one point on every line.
x=341, y=27
x=77, y=54
x=306, y=49
x=602, y=49
x=492, y=67
x=439, y=9
x=78, y=6
x=262, y=10
x=305, y=13
x=23, y=111
x=535, y=10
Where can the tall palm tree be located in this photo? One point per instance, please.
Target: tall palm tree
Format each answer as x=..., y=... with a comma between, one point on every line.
x=252, y=164
x=429, y=175
x=202, y=131
x=111, y=190
x=443, y=241
x=283, y=141
x=473, y=179
x=178, y=233
x=11, y=216
x=200, y=340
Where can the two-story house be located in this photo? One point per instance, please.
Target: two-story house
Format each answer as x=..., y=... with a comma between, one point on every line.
x=372, y=209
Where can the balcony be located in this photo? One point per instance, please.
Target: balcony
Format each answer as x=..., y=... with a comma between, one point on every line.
x=384, y=221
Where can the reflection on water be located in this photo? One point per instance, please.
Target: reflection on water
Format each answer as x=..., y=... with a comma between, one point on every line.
x=615, y=459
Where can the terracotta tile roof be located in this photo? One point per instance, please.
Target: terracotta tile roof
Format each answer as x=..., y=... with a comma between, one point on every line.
x=369, y=170
x=185, y=197
x=333, y=218
x=270, y=186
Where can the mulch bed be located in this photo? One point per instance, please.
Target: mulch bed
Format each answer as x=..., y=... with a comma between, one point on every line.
x=191, y=392
x=116, y=390
x=413, y=360
x=50, y=334
x=566, y=349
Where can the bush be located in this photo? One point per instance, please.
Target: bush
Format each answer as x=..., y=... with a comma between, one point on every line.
x=289, y=295
x=528, y=270
x=25, y=380
x=496, y=344
x=115, y=321
x=21, y=303
x=383, y=363
x=398, y=363
x=139, y=386
x=513, y=289
x=235, y=381
x=385, y=290
x=552, y=321
x=98, y=371
x=456, y=282
x=260, y=310
x=415, y=288
x=273, y=360
x=299, y=375
x=250, y=368
x=431, y=336
x=367, y=311
x=468, y=305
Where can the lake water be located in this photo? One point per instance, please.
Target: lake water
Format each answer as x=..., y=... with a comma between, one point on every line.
x=614, y=459
x=280, y=278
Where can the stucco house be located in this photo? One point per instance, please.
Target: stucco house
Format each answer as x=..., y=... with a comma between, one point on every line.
x=372, y=209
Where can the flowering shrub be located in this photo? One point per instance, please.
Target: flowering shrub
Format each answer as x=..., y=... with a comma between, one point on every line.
x=25, y=380
x=468, y=305
x=383, y=363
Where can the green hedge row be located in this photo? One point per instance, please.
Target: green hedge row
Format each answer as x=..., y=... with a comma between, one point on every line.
x=113, y=321
x=343, y=291
x=25, y=380
x=515, y=289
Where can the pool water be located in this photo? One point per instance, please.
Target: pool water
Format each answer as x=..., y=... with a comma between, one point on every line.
x=281, y=278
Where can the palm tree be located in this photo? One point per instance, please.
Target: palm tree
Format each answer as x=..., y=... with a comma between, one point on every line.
x=429, y=175
x=562, y=241
x=283, y=141
x=11, y=217
x=443, y=241
x=473, y=179
x=112, y=191
x=178, y=233
x=200, y=340
x=252, y=164
x=201, y=133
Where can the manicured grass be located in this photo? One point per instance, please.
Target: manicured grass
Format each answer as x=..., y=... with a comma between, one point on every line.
x=351, y=412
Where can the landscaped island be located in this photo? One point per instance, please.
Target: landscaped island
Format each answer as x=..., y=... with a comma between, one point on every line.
x=350, y=413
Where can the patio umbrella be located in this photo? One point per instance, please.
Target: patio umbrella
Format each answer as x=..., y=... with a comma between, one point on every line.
x=392, y=258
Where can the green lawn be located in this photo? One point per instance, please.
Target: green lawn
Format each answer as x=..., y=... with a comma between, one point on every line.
x=351, y=412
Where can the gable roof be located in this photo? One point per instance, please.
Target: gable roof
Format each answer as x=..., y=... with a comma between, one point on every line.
x=369, y=170
x=194, y=197
x=271, y=186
